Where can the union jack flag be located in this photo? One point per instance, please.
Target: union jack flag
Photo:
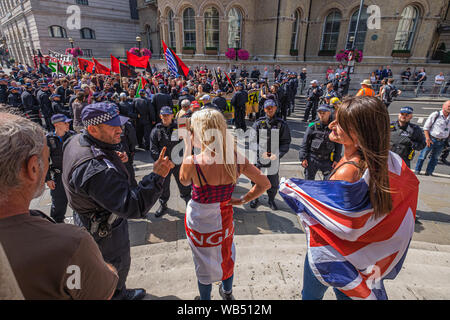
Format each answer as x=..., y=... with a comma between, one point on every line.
x=348, y=248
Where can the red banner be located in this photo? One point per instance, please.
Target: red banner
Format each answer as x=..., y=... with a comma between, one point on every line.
x=135, y=61
x=86, y=65
x=115, y=64
x=99, y=68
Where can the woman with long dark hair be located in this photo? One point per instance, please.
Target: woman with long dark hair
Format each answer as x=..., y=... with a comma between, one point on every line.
x=358, y=223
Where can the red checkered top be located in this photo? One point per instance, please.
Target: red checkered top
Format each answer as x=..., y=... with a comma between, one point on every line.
x=210, y=194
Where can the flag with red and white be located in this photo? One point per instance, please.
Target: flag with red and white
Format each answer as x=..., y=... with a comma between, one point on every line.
x=348, y=248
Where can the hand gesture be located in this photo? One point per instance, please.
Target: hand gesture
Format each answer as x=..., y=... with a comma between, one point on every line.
x=305, y=163
x=51, y=184
x=163, y=165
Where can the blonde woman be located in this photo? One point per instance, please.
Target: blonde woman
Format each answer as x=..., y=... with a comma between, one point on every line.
x=209, y=214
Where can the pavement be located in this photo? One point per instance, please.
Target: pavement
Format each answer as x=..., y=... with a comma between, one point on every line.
x=271, y=246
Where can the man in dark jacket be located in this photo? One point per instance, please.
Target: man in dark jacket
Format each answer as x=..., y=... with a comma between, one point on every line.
x=240, y=98
x=161, y=99
x=30, y=104
x=146, y=118
x=312, y=100
x=43, y=97
x=99, y=189
x=164, y=135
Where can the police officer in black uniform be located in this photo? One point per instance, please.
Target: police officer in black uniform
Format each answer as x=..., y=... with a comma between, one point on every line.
x=43, y=98
x=406, y=137
x=317, y=152
x=100, y=192
x=265, y=155
x=3, y=90
x=30, y=104
x=284, y=95
x=146, y=118
x=55, y=141
x=293, y=86
x=240, y=98
x=312, y=100
x=14, y=99
x=164, y=134
x=220, y=101
x=57, y=106
x=161, y=99
x=185, y=95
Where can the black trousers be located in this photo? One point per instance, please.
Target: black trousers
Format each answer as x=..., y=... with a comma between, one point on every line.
x=185, y=191
x=115, y=249
x=143, y=131
x=311, y=107
x=59, y=200
x=239, y=119
x=48, y=124
x=274, y=184
x=315, y=165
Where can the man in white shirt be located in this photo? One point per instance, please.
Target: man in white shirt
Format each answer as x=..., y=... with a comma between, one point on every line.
x=438, y=81
x=436, y=130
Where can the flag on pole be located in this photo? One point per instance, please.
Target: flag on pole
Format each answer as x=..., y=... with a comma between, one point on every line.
x=86, y=65
x=348, y=248
x=229, y=80
x=101, y=69
x=126, y=71
x=142, y=83
x=115, y=64
x=149, y=68
x=136, y=61
x=176, y=66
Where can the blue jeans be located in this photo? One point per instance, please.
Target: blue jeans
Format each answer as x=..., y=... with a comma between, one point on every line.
x=313, y=289
x=205, y=289
x=435, y=149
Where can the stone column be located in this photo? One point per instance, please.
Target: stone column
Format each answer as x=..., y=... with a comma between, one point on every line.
x=223, y=35
x=199, y=35
x=179, y=34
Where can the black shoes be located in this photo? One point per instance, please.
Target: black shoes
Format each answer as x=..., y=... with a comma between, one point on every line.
x=134, y=294
x=225, y=296
x=161, y=210
x=254, y=203
x=272, y=205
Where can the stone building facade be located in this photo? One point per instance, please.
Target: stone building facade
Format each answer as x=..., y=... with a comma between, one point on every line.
x=301, y=30
x=106, y=27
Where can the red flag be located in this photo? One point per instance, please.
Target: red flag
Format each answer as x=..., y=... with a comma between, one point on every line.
x=86, y=65
x=182, y=69
x=229, y=80
x=135, y=61
x=115, y=64
x=99, y=68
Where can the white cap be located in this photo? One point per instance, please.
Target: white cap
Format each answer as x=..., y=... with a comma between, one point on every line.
x=315, y=81
x=205, y=97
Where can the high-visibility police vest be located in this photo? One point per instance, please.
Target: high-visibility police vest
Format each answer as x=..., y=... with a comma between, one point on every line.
x=366, y=92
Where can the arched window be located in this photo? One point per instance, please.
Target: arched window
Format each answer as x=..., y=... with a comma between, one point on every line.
x=295, y=29
x=330, y=33
x=57, y=32
x=172, y=39
x=87, y=33
x=406, y=28
x=362, y=30
x=212, y=28
x=189, y=27
x=234, y=28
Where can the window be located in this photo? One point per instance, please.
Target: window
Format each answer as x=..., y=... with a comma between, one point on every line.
x=406, y=29
x=234, y=28
x=83, y=2
x=133, y=10
x=362, y=30
x=295, y=27
x=87, y=52
x=87, y=33
x=172, y=39
x=212, y=28
x=57, y=32
x=189, y=27
x=330, y=33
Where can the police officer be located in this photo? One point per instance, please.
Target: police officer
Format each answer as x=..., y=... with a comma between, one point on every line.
x=14, y=99
x=57, y=106
x=265, y=157
x=317, y=152
x=145, y=119
x=284, y=94
x=55, y=141
x=220, y=101
x=161, y=99
x=100, y=192
x=406, y=137
x=206, y=100
x=312, y=100
x=238, y=101
x=43, y=98
x=293, y=86
x=3, y=90
x=164, y=134
x=185, y=95
x=30, y=104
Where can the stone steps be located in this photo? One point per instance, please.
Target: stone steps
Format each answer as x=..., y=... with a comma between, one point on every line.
x=271, y=267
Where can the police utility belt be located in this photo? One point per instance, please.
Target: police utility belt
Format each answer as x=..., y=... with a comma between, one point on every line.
x=100, y=223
